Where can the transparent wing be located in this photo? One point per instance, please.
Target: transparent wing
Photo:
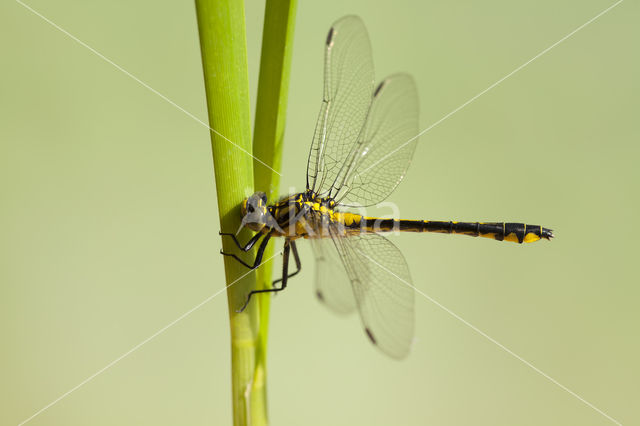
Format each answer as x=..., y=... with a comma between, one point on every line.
x=332, y=283
x=348, y=91
x=381, y=282
x=381, y=157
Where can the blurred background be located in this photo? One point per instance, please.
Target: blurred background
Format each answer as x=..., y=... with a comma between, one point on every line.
x=109, y=220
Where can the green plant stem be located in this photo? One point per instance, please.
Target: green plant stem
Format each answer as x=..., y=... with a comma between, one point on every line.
x=271, y=109
x=221, y=26
x=223, y=45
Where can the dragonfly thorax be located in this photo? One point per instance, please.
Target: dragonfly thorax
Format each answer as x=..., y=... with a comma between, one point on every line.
x=293, y=216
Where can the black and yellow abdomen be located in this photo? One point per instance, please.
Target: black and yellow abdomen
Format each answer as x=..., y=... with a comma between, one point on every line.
x=501, y=231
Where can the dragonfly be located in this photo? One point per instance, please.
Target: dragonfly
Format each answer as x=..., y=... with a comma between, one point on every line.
x=363, y=143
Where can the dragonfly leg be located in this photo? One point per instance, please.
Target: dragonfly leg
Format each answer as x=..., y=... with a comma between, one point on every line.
x=285, y=274
x=296, y=258
x=259, y=254
x=245, y=248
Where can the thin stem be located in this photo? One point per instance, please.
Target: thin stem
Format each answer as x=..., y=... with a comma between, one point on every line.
x=223, y=45
x=271, y=109
x=221, y=25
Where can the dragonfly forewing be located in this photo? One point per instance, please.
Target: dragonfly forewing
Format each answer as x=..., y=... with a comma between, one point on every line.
x=347, y=97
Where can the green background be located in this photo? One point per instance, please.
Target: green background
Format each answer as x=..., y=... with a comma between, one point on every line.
x=109, y=221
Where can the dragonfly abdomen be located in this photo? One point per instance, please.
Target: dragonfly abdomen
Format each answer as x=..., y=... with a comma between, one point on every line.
x=501, y=231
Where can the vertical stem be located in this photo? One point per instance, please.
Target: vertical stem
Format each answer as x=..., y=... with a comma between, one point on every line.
x=271, y=110
x=221, y=25
x=223, y=45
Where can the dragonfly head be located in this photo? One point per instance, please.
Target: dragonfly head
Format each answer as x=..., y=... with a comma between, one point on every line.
x=255, y=212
